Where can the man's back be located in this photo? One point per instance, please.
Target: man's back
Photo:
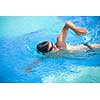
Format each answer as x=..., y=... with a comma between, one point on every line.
x=81, y=48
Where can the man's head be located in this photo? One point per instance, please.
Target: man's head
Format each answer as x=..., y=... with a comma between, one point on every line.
x=45, y=47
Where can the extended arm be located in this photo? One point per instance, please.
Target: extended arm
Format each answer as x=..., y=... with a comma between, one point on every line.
x=29, y=67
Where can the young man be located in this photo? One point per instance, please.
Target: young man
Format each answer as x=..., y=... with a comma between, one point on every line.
x=47, y=47
x=60, y=48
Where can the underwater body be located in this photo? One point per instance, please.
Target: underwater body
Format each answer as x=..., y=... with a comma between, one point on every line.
x=20, y=62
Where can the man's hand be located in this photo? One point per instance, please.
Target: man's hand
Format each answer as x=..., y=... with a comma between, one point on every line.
x=77, y=30
x=80, y=31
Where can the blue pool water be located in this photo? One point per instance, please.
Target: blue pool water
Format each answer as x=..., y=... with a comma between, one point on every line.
x=19, y=61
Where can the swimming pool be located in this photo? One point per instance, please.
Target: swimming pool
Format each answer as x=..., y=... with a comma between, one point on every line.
x=19, y=61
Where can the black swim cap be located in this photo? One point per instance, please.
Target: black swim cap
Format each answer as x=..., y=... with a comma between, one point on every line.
x=43, y=47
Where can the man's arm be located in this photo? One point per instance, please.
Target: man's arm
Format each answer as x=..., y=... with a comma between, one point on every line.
x=29, y=67
x=61, y=39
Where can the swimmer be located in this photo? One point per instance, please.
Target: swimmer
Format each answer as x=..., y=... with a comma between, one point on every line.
x=48, y=47
x=59, y=49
